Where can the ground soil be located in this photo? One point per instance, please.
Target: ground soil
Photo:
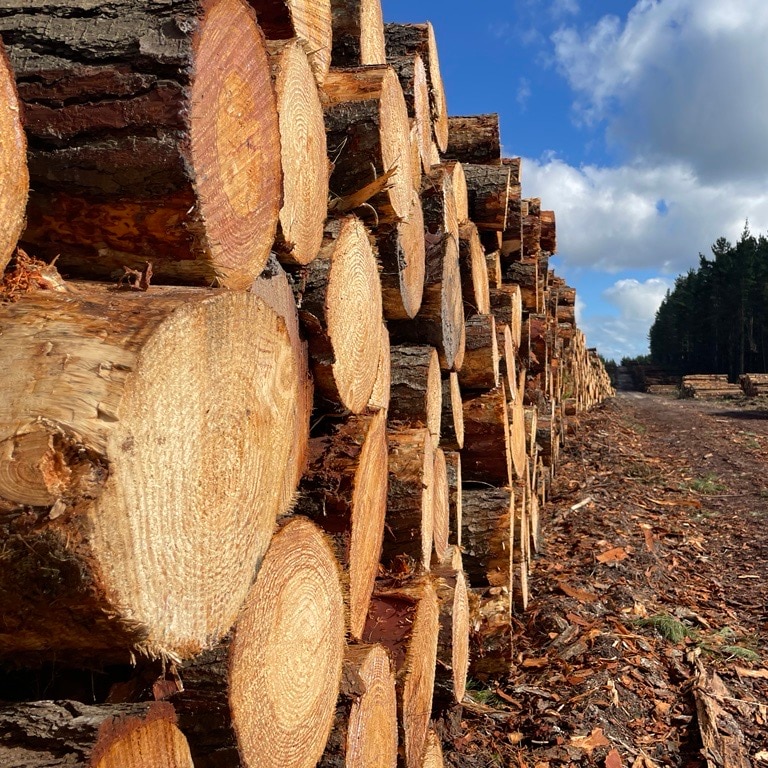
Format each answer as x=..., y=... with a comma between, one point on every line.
x=647, y=630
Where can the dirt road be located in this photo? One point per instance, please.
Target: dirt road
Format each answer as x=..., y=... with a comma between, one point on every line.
x=653, y=578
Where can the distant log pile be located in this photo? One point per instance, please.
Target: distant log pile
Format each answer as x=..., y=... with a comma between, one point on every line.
x=279, y=420
x=703, y=386
x=754, y=384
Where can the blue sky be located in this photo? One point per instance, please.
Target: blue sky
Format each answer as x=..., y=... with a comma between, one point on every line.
x=644, y=125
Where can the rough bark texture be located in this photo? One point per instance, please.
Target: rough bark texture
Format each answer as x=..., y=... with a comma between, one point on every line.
x=358, y=33
x=452, y=421
x=486, y=456
x=14, y=177
x=487, y=192
x=413, y=79
x=474, y=139
x=139, y=121
x=474, y=272
x=455, y=485
x=488, y=535
x=144, y=441
x=43, y=734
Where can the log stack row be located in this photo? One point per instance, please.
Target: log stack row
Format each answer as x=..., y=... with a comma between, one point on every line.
x=702, y=386
x=272, y=450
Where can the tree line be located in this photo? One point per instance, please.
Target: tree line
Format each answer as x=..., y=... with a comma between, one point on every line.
x=715, y=319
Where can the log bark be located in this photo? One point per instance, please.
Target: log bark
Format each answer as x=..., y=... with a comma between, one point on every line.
x=452, y=421
x=416, y=390
x=365, y=730
x=402, y=256
x=480, y=370
x=512, y=237
x=486, y=456
x=309, y=22
x=441, y=510
x=287, y=652
x=382, y=385
x=525, y=274
x=144, y=444
x=410, y=497
x=488, y=517
x=474, y=139
x=358, y=33
x=440, y=320
x=507, y=358
x=548, y=232
x=14, y=176
x=140, y=123
x=532, y=227
x=487, y=193
x=405, y=39
x=406, y=621
x=368, y=136
x=413, y=80
x=507, y=307
x=453, y=640
x=274, y=287
x=438, y=201
x=453, y=473
x=44, y=734
x=493, y=266
x=344, y=491
x=340, y=309
x=491, y=645
x=474, y=272
x=303, y=154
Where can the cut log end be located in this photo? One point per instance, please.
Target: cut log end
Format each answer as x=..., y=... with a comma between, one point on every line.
x=287, y=652
x=14, y=177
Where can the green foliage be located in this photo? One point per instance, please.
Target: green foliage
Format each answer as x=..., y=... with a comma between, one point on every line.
x=715, y=319
x=708, y=484
x=667, y=626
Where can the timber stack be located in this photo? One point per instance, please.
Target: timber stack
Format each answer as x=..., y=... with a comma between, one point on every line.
x=704, y=386
x=287, y=374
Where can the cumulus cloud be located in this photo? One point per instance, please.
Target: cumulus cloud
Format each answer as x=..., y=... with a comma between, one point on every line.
x=637, y=300
x=678, y=81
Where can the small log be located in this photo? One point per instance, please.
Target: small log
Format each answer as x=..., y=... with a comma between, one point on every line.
x=488, y=517
x=368, y=137
x=402, y=257
x=493, y=267
x=548, y=232
x=303, y=154
x=142, y=151
x=438, y=201
x=416, y=390
x=364, y=734
x=405, y=39
x=44, y=734
x=340, y=309
x=453, y=474
x=406, y=620
x=474, y=139
x=358, y=33
x=532, y=227
x=344, y=491
x=525, y=274
x=452, y=421
x=453, y=640
x=480, y=369
x=139, y=435
x=14, y=176
x=487, y=193
x=441, y=511
x=293, y=620
x=413, y=80
x=410, y=497
x=311, y=23
x=474, y=272
x=486, y=456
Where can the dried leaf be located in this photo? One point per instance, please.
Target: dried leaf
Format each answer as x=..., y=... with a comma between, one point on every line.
x=759, y=673
x=535, y=663
x=577, y=594
x=615, y=555
x=593, y=741
x=613, y=759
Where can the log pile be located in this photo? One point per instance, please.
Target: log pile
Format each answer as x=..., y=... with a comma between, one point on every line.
x=704, y=386
x=279, y=421
x=754, y=384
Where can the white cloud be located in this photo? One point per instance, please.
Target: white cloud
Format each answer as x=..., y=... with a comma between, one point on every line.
x=523, y=92
x=636, y=300
x=680, y=81
x=562, y=8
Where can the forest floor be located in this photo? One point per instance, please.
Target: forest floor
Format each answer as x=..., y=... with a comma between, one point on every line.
x=646, y=639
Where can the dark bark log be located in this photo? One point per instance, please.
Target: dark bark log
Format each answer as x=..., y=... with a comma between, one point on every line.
x=452, y=421
x=358, y=33
x=480, y=370
x=487, y=192
x=488, y=536
x=486, y=455
x=474, y=139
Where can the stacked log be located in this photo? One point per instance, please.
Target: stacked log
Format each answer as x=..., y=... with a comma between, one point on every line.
x=704, y=386
x=288, y=499
x=754, y=384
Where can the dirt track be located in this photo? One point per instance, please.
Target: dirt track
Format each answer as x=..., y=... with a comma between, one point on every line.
x=654, y=582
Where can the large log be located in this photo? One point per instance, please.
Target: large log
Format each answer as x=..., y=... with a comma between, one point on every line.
x=416, y=390
x=309, y=22
x=345, y=492
x=52, y=734
x=142, y=122
x=266, y=697
x=486, y=456
x=474, y=139
x=405, y=39
x=358, y=33
x=144, y=443
x=410, y=499
x=487, y=193
x=340, y=309
x=368, y=135
x=488, y=536
x=14, y=176
x=303, y=154
x=365, y=730
x=480, y=370
x=406, y=621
